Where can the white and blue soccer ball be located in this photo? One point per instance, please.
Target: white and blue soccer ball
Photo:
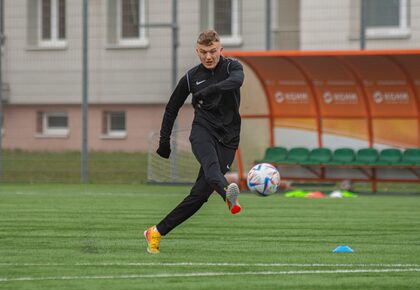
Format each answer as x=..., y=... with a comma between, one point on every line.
x=263, y=179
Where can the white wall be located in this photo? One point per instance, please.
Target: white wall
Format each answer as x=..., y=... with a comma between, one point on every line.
x=333, y=25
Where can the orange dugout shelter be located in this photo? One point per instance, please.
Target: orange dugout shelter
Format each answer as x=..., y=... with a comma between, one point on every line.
x=330, y=99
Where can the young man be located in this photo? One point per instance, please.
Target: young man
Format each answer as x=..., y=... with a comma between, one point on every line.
x=214, y=85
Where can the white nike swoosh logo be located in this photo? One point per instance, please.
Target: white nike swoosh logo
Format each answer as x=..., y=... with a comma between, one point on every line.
x=199, y=82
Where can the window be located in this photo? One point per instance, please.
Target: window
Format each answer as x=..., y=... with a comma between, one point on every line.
x=46, y=24
x=52, y=22
x=126, y=20
x=387, y=18
x=114, y=124
x=224, y=17
x=52, y=124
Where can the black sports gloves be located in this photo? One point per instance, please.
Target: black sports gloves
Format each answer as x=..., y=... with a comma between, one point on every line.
x=206, y=92
x=164, y=149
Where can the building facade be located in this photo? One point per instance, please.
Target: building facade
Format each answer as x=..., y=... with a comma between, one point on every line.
x=130, y=58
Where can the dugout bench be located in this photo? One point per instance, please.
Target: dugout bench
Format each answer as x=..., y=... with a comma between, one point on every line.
x=364, y=165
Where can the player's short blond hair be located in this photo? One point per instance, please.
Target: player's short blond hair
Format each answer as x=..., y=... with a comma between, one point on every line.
x=208, y=37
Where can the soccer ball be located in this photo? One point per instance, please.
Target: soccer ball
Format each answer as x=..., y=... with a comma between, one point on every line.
x=263, y=179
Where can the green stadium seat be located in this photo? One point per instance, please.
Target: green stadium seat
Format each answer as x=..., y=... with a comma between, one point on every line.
x=319, y=156
x=389, y=156
x=274, y=155
x=342, y=156
x=366, y=156
x=297, y=155
x=410, y=156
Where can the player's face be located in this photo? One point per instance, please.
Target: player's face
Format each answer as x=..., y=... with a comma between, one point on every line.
x=209, y=55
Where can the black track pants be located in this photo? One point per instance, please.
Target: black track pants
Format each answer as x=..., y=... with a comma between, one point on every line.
x=215, y=160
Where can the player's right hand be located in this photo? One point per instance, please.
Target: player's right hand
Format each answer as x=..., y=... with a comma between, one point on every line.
x=164, y=149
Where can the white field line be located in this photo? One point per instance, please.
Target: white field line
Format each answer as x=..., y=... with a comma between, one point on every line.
x=187, y=264
x=207, y=274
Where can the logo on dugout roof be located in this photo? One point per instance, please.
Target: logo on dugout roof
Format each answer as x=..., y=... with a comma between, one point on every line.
x=328, y=98
x=380, y=97
x=340, y=97
x=291, y=97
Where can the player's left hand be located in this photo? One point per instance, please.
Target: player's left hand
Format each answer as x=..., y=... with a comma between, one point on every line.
x=206, y=92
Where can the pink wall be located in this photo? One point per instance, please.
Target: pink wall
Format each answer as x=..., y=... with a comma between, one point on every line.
x=141, y=120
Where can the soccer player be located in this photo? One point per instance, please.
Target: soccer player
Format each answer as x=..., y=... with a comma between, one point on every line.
x=214, y=85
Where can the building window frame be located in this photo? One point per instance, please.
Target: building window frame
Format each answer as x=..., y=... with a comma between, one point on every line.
x=109, y=130
x=50, y=130
x=140, y=40
x=54, y=40
x=235, y=38
x=400, y=31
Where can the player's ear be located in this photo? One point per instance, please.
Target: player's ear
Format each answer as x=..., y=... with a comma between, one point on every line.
x=221, y=49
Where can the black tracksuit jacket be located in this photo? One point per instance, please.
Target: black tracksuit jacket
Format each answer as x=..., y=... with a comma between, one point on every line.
x=219, y=113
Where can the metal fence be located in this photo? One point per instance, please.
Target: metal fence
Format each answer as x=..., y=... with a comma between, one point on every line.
x=83, y=83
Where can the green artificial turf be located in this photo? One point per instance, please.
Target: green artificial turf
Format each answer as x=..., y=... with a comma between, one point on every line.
x=65, y=167
x=91, y=237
